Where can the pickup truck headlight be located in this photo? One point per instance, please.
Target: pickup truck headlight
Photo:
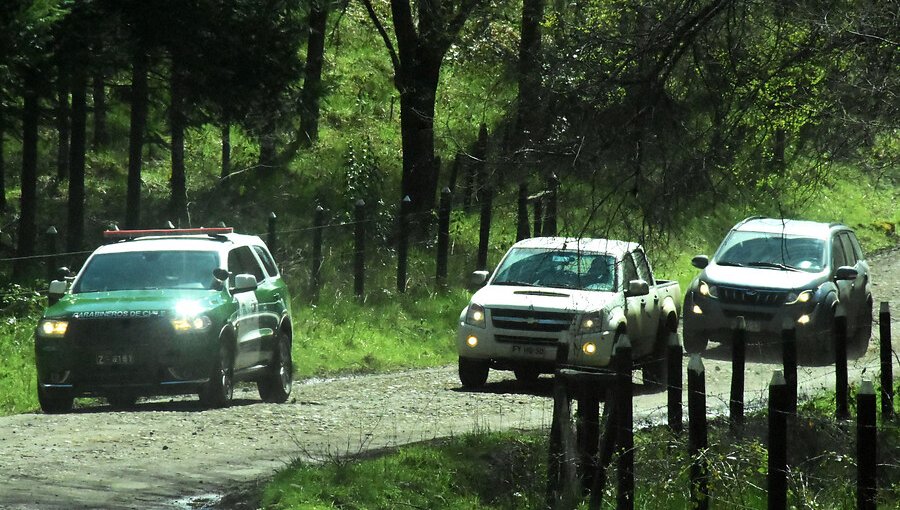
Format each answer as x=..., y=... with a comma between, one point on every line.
x=708, y=290
x=475, y=315
x=799, y=297
x=590, y=323
x=53, y=328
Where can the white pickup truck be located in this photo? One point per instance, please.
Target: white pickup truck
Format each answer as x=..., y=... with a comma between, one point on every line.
x=585, y=292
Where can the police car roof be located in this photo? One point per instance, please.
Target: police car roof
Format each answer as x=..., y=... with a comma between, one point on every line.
x=180, y=243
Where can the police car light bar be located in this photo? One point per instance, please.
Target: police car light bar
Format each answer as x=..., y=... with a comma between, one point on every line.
x=130, y=234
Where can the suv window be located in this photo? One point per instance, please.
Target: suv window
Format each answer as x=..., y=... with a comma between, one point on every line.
x=849, y=253
x=643, y=267
x=629, y=271
x=857, y=249
x=242, y=261
x=266, y=259
x=838, y=258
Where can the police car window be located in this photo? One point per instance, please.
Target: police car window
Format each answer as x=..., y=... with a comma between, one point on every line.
x=145, y=270
x=266, y=260
x=242, y=261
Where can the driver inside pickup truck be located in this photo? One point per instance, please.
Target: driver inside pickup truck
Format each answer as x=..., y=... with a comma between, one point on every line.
x=598, y=275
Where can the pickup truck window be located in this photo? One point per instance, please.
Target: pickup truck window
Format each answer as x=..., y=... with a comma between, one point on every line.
x=629, y=271
x=643, y=267
x=762, y=249
x=148, y=270
x=557, y=268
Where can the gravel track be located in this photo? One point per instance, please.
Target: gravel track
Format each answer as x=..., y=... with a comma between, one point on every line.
x=175, y=454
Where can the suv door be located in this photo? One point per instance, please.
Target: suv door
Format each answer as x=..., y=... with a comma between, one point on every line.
x=844, y=287
x=248, y=351
x=857, y=297
x=271, y=294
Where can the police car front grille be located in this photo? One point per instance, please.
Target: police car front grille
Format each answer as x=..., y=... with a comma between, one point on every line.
x=531, y=320
x=144, y=340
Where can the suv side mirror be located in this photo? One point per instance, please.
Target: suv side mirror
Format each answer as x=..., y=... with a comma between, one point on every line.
x=244, y=283
x=637, y=288
x=478, y=279
x=846, y=273
x=700, y=261
x=56, y=291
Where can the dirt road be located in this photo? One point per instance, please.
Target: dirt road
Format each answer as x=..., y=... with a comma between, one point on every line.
x=174, y=454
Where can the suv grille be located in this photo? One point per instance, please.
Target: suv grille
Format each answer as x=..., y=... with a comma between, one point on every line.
x=531, y=320
x=745, y=296
x=143, y=340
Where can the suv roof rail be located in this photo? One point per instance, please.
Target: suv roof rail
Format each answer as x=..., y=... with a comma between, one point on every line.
x=748, y=218
x=127, y=235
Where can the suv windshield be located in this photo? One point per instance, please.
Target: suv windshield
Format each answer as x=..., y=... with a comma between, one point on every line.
x=778, y=251
x=557, y=268
x=148, y=270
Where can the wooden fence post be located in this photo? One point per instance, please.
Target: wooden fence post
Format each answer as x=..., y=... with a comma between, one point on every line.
x=359, y=250
x=588, y=430
x=403, y=244
x=51, y=236
x=522, y=213
x=789, y=361
x=738, y=363
x=625, y=435
x=842, y=410
x=887, y=371
x=562, y=486
x=484, y=232
x=697, y=433
x=866, y=437
x=272, y=240
x=549, y=228
x=777, y=464
x=318, y=227
x=675, y=413
x=443, y=240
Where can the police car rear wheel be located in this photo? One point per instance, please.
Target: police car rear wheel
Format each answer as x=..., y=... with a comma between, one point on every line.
x=275, y=386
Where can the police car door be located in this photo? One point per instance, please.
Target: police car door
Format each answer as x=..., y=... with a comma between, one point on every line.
x=249, y=349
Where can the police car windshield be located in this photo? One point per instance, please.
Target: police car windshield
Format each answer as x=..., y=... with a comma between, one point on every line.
x=142, y=270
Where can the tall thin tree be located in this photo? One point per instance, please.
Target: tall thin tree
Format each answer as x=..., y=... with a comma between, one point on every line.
x=139, y=93
x=312, y=81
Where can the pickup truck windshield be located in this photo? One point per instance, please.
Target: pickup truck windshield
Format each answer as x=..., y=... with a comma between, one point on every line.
x=148, y=270
x=557, y=268
x=773, y=251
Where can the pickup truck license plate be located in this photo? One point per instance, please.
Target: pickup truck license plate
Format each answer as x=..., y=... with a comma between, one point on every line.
x=115, y=359
x=533, y=351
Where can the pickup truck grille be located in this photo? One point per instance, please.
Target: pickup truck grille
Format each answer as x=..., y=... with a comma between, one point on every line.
x=745, y=296
x=506, y=339
x=531, y=320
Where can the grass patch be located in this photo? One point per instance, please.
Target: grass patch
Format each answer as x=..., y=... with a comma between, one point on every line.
x=508, y=471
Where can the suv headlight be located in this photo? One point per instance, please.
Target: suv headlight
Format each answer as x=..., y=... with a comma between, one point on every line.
x=590, y=323
x=53, y=328
x=708, y=290
x=798, y=297
x=475, y=315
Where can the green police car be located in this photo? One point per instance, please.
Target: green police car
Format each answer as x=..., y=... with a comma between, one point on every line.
x=162, y=312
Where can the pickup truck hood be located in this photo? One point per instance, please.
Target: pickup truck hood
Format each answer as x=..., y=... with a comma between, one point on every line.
x=760, y=277
x=132, y=303
x=508, y=296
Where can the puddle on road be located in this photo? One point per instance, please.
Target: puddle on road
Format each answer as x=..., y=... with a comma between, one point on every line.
x=198, y=502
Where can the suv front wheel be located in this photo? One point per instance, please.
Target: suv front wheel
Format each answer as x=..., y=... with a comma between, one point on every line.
x=220, y=388
x=275, y=386
x=54, y=401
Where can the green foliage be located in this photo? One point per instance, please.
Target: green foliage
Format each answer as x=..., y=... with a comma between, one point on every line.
x=18, y=376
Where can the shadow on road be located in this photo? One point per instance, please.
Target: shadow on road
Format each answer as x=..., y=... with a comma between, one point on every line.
x=177, y=406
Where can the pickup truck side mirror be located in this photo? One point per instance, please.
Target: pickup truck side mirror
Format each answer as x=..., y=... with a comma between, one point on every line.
x=244, y=283
x=478, y=278
x=700, y=261
x=637, y=288
x=56, y=291
x=846, y=273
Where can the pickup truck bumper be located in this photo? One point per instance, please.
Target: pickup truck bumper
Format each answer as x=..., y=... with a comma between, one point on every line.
x=710, y=319
x=508, y=350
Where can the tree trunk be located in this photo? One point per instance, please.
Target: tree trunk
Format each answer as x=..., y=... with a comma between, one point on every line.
x=27, y=232
x=312, y=82
x=418, y=90
x=2, y=160
x=267, y=150
x=178, y=181
x=226, y=150
x=62, y=125
x=75, y=231
x=101, y=137
x=529, y=76
x=136, y=138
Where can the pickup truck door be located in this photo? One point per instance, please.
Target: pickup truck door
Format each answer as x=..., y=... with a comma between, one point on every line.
x=635, y=309
x=651, y=308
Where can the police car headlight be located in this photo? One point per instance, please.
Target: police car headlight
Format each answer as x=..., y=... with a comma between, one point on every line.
x=53, y=328
x=199, y=323
x=475, y=315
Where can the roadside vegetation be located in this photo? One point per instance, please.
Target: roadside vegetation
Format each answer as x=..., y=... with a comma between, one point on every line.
x=490, y=470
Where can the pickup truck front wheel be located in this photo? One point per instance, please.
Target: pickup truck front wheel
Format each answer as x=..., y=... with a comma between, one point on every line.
x=694, y=343
x=473, y=373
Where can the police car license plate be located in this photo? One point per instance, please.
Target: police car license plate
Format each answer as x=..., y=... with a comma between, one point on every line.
x=115, y=359
x=753, y=326
x=534, y=351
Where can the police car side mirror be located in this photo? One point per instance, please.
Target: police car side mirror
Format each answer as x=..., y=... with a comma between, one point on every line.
x=56, y=290
x=244, y=283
